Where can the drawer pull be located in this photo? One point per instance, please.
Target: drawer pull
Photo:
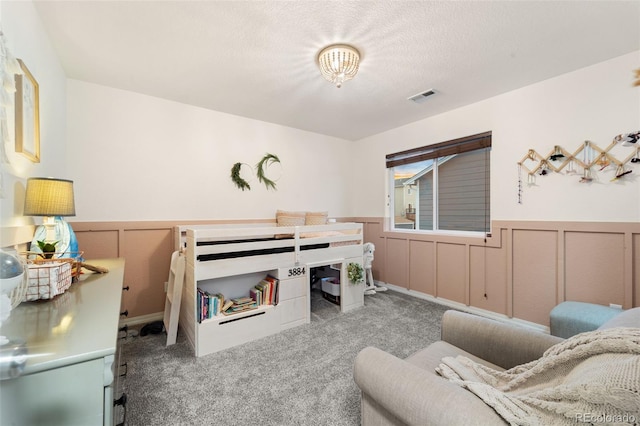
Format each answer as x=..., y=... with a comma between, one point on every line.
x=124, y=329
x=241, y=318
x=120, y=401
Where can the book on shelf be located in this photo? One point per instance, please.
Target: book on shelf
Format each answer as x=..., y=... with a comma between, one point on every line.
x=219, y=303
x=263, y=288
x=256, y=294
x=264, y=293
x=227, y=305
x=242, y=301
x=240, y=305
x=267, y=291
x=276, y=289
x=208, y=305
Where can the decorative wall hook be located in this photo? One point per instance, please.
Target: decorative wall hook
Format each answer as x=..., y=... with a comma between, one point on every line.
x=587, y=156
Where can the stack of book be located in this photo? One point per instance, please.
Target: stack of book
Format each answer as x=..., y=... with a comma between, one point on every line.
x=266, y=291
x=235, y=306
x=263, y=293
x=209, y=305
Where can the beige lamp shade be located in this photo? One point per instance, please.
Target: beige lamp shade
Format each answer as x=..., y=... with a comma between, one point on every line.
x=49, y=197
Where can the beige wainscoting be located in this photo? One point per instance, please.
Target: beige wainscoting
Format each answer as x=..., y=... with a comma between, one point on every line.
x=522, y=271
x=146, y=247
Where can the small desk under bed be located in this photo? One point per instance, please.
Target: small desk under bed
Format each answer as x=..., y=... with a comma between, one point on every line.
x=231, y=259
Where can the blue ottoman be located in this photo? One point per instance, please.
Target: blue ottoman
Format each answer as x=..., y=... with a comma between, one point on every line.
x=571, y=318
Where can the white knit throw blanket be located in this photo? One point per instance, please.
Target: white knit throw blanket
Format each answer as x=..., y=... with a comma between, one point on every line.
x=592, y=378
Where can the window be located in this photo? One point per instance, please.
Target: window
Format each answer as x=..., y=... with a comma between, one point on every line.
x=444, y=186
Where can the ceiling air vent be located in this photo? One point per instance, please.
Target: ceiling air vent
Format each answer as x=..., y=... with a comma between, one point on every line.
x=421, y=97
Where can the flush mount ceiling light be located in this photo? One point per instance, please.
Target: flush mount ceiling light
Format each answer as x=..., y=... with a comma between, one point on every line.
x=339, y=63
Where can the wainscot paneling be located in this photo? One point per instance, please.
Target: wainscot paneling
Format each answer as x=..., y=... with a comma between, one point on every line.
x=372, y=232
x=594, y=264
x=451, y=274
x=396, y=262
x=421, y=267
x=146, y=248
x=522, y=271
x=148, y=255
x=534, y=274
x=98, y=244
x=488, y=278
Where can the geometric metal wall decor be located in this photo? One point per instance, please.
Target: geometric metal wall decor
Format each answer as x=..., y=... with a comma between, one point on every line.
x=587, y=157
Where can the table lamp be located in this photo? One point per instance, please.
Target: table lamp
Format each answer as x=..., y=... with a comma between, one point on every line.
x=52, y=199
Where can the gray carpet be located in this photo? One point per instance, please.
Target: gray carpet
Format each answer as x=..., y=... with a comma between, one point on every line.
x=302, y=376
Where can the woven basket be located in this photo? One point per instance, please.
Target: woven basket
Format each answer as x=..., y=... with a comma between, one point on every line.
x=48, y=280
x=74, y=258
x=50, y=277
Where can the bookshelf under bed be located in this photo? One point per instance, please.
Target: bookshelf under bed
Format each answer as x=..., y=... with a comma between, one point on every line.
x=226, y=264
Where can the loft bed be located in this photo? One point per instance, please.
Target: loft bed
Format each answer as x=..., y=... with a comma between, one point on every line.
x=229, y=258
x=231, y=249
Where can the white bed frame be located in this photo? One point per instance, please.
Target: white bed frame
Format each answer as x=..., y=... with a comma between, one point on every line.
x=241, y=255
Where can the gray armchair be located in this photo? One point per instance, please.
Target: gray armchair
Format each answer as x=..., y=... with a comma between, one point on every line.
x=409, y=392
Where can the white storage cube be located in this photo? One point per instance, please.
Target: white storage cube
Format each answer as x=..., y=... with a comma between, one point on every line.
x=331, y=285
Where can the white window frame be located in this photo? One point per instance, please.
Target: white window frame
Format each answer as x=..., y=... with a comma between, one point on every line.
x=435, y=169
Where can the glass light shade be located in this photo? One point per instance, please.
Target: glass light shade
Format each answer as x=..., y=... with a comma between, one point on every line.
x=11, y=271
x=339, y=63
x=49, y=197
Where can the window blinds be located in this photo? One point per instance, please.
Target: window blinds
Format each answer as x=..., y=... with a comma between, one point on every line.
x=442, y=149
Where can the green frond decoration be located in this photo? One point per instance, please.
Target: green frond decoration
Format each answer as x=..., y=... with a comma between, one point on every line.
x=267, y=160
x=235, y=177
x=355, y=273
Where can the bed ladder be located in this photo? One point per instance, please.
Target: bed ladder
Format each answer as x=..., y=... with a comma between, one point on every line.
x=174, y=296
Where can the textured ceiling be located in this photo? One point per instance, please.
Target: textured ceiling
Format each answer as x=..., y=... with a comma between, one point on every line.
x=257, y=58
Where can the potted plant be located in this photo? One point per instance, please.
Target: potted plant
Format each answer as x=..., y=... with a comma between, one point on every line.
x=355, y=273
x=48, y=249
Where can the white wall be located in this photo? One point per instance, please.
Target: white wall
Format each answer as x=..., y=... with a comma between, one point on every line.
x=135, y=157
x=595, y=103
x=27, y=40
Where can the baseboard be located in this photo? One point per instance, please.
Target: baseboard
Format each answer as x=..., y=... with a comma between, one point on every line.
x=465, y=308
x=158, y=316
x=142, y=319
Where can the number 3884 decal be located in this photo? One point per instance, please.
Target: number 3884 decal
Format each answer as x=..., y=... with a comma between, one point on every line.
x=294, y=272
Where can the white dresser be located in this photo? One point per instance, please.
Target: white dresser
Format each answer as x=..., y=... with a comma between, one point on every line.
x=71, y=344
